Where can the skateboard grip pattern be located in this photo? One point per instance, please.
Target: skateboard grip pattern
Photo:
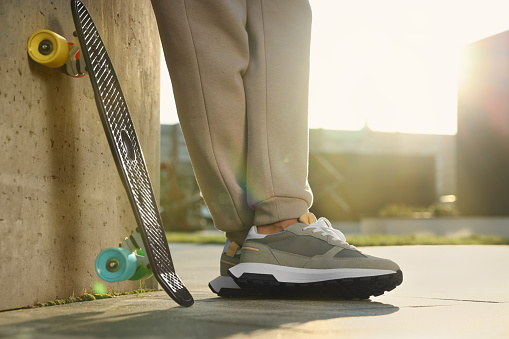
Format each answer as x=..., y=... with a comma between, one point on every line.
x=127, y=153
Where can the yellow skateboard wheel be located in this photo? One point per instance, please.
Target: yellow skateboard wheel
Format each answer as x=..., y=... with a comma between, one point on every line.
x=48, y=48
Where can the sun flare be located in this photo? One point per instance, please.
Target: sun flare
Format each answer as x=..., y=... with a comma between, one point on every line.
x=389, y=65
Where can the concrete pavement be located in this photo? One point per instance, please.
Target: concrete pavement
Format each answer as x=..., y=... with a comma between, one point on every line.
x=447, y=292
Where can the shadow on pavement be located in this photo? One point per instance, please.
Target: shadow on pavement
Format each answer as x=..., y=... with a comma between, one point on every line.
x=208, y=318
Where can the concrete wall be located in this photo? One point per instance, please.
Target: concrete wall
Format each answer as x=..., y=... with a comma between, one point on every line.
x=61, y=200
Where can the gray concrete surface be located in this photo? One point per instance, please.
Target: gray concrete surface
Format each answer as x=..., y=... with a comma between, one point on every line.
x=448, y=292
x=61, y=199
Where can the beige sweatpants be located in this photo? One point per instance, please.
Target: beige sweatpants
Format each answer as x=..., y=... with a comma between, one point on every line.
x=240, y=71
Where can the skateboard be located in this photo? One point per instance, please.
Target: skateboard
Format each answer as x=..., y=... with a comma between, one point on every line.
x=146, y=251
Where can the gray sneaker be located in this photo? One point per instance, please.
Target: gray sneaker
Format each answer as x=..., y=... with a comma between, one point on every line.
x=312, y=257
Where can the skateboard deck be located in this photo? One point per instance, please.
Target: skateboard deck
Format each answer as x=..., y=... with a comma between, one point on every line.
x=127, y=153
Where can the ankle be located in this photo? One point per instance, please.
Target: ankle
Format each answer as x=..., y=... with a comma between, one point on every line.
x=276, y=227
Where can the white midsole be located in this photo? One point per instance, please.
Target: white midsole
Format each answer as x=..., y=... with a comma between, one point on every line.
x=304, y=275
x=223, y=282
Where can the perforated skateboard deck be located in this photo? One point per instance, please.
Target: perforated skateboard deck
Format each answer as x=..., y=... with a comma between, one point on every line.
x=126, y=150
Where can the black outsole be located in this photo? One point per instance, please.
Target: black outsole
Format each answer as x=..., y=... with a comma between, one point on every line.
x=235, y=292
x=348, y=288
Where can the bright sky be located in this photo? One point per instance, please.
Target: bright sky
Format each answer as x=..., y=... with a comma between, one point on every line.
x=392, y=64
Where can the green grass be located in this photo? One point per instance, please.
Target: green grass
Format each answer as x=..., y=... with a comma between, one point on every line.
x=195, y=238
x=411, y=239
x=361, y=240
x=86, y=296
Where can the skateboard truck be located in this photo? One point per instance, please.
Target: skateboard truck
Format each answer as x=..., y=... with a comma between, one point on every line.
x=52, y=50
x=126, y=262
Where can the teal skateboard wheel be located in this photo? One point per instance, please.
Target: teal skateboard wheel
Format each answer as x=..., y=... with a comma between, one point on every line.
x=115, y=264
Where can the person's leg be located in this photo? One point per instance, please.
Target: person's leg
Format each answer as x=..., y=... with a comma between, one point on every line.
x=218, y=67
x=207, y=52
x=276, y=85
x=218, y=71
x=221, y=54
x=276, y=88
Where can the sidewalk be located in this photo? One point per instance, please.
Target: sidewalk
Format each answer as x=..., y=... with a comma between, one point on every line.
x=447, y=292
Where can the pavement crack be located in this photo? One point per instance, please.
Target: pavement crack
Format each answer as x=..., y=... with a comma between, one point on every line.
x=463, y=300
x=470, y=300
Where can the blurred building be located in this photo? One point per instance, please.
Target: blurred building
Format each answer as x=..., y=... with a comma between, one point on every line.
x=483, y=128
x=356, y=173
x=182, y=207
x=352, y=173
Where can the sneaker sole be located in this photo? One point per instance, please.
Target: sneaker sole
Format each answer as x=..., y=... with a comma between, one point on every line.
x=336, y=283
x=226, y=287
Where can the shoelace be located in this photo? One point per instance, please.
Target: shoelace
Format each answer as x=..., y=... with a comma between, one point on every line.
x=323, y=225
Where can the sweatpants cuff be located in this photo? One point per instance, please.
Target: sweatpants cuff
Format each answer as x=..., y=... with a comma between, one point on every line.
x=278, y=209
